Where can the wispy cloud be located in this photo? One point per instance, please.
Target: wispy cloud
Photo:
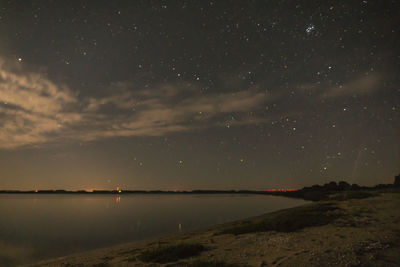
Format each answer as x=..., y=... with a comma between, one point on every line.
x=31, y=107
x=35, y=110
x=359, y=86
x=164, y=109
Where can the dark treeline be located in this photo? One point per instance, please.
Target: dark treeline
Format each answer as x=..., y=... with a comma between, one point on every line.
x=132, y=192
x=314, y=192
x=340, y=191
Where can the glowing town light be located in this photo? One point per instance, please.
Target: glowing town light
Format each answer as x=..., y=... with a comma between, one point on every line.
x=281, y=190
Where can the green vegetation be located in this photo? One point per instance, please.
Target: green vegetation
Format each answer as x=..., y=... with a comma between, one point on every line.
x=288, y=220
x=171, y=253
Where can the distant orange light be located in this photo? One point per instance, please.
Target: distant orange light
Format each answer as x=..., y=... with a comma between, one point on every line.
x=281, y=190
x=36, y=191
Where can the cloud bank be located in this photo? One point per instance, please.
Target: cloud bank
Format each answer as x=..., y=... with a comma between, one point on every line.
x=31, y=107
x=34, y=110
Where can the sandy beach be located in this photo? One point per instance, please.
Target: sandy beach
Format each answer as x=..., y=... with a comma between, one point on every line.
x=355, y=232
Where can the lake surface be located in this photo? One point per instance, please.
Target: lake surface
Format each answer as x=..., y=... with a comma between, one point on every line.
x=35, y=227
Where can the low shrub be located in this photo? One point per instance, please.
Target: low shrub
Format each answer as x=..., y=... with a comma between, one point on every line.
x=288, y=220
x=171, y=253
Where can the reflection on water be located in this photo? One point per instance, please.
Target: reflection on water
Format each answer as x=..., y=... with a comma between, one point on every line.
x=34, y=227
x=117, y=199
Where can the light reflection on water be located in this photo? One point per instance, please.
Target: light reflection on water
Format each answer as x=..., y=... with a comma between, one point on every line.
x=34, y=227
x=117, y=199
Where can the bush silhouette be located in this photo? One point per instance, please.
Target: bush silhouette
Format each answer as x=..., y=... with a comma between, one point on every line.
x=397, y=181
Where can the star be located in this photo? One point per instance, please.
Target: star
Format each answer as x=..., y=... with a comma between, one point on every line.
x=310, y=28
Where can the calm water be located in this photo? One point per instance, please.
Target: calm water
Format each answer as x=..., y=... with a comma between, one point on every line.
x=35, y=227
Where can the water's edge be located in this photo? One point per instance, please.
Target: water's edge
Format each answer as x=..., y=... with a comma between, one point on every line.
x=194, y=213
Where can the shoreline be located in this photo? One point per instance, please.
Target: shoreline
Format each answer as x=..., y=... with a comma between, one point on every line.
x=342, y=232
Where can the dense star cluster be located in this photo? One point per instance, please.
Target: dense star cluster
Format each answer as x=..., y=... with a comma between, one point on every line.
x=198, y=94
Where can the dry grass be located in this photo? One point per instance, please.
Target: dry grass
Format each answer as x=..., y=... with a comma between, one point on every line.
x=288, y=220
x=171, y=253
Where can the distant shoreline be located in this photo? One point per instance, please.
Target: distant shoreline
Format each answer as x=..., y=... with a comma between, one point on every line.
x=313, y=193
x=140, y=192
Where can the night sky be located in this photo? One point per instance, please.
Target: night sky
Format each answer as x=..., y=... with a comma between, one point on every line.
x=198, y=94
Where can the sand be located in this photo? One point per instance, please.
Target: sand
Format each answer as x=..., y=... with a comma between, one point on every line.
x=367, y=234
